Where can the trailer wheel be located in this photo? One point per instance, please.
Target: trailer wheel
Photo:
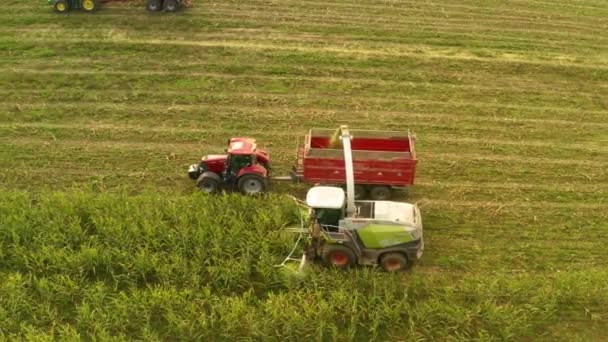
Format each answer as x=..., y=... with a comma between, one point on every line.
x=360, y=192
x=338, y=256
x=380, y=193
x=208, y=184
x=392, y=262
x=251, y=184
x=90, y=5
x=170, y=5
x=153, y=5
x=61, y=6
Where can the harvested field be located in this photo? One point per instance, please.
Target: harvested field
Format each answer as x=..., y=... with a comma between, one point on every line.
x=101, y=113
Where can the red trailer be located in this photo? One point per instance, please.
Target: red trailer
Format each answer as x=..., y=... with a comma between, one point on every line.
x=382, y=160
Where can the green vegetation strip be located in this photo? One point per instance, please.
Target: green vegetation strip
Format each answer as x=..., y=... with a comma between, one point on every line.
x=154, y=266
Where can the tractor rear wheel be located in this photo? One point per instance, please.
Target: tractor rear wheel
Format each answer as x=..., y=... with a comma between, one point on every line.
x=380, y=193
x=338, y=255
x=392, y=262
x=153, y=5
x=208, y=185
x=252, y=184
x=90, y=5
x=170, y=5
x=61, y=6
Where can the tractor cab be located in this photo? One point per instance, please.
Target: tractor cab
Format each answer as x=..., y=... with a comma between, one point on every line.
x=241, y=152
x=244, y=152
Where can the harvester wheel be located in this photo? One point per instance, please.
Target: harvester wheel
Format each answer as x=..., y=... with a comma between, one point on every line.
x=90, y=5
x=170, y=5
x=153, y=5
x=380, y=193
x=252, y=184
x=61, y=6
x=392, y=262
x=338, y=255
x=208, y=185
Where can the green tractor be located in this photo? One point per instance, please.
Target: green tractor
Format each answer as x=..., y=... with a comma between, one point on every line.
x=344, y=232
x=64, y=6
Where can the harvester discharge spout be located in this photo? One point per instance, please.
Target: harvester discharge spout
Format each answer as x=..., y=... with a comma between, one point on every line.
x=350, y=175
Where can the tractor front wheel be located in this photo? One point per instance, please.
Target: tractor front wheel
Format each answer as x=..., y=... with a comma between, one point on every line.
x=153, y=5
x=338, y=255
x=380, y=193
x=170, y=5
x=252, y=184
x=90, y=5
x=61, y=6
x=392, y=262
x=208, y=185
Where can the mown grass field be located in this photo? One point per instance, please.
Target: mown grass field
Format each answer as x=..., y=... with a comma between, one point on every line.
x=102, y=233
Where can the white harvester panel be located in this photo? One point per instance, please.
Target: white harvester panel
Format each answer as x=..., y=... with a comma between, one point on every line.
x=404, y=213
x=327, y=197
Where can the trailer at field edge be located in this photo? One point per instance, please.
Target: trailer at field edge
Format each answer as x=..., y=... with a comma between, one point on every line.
x=382, y=160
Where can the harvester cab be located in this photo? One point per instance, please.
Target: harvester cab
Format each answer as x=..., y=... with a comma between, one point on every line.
x=344, y=232
x=243, y=167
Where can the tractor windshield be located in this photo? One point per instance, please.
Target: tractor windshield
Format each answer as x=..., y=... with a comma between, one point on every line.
x=237, y=162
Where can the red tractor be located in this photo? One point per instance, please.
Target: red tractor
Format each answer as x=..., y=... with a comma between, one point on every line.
x=243, y=167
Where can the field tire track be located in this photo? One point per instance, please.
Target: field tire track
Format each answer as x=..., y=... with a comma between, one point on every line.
x=357, y=52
